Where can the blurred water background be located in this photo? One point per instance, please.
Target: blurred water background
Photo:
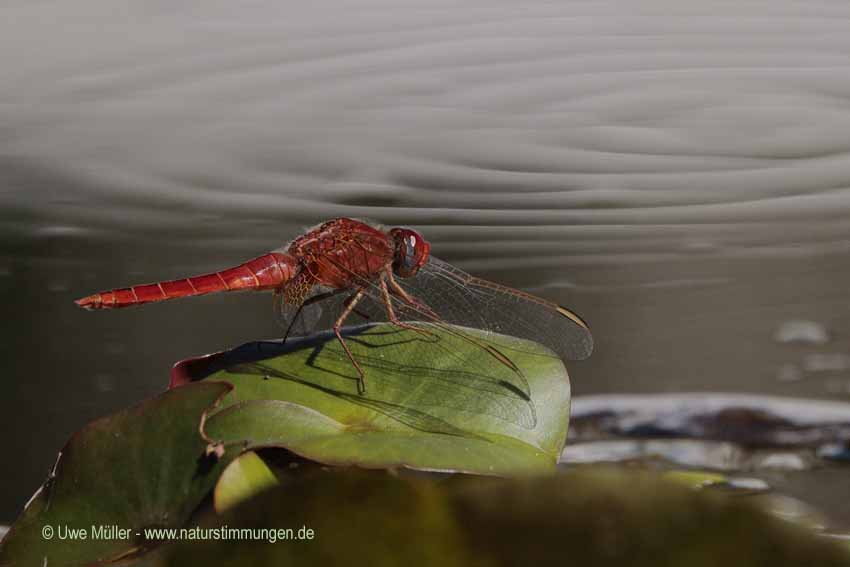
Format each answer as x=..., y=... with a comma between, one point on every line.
x=679, y=174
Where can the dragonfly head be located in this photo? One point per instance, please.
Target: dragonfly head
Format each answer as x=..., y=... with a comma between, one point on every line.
x=411, y=251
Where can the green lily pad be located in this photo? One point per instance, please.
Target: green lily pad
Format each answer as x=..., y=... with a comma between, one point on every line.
x=599, y=517
x=243, y=478
x=432, y=402
x=141, y=467
x=339, y=517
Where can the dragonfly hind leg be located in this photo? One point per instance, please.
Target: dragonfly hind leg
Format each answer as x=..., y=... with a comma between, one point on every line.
x=306, y=303
x=350, y=304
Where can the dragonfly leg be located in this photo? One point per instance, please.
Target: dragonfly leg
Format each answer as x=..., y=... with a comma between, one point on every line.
x=388, y=305
x=350, y=303
x=306, y=303
x=277, y=301
x=415, y=302
x=398, y=290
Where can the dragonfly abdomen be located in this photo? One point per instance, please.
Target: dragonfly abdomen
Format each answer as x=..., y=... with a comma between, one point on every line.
x=265, y=272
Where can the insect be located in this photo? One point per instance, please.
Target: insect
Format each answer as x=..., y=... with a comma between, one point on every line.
x=351, y=268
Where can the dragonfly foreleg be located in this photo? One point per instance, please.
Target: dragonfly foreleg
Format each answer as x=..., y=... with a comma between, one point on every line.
x=388, y=305
x=350, y=303
x=409, y=299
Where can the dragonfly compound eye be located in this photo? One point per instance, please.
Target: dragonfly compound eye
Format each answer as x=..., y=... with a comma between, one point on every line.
x=411, y=251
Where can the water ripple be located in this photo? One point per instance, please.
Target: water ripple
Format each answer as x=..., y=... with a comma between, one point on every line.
x=580, y=115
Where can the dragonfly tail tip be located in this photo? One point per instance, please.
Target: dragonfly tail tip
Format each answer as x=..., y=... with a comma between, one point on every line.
x=89, y=303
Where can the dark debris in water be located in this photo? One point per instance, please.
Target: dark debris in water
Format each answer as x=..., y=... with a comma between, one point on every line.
x=714, y=432
x=839, y=452
x=749, y=421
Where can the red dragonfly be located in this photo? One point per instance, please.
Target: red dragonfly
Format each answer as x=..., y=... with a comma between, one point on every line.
x=348, y=268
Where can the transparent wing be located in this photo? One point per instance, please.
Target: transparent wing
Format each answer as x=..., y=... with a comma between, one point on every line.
x=461, y=299
x=455, y=302
x=442, y=294
x=307, y=318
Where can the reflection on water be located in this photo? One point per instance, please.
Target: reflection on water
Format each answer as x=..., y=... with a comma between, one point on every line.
x=677, y=174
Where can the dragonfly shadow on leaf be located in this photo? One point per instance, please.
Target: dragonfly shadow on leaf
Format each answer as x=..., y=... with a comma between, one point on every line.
x=418, y=420
x=411, y=377
x=351, y=336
